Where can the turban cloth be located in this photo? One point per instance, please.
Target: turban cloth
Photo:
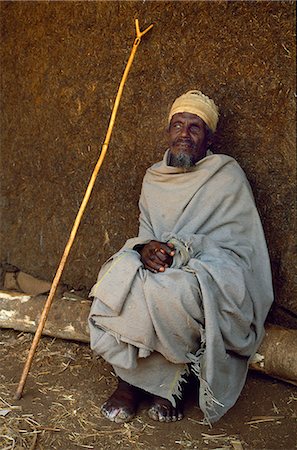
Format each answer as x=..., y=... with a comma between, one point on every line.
x=195, y=102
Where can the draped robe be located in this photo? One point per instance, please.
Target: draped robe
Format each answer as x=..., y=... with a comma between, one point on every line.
x=206, y=312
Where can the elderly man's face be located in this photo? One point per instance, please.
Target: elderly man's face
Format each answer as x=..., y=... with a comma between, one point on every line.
x=187, y=140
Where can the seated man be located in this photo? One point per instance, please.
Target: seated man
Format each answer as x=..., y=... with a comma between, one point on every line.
x=192, y=291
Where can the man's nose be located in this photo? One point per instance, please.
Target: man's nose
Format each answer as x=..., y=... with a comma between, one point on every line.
x=184, y=131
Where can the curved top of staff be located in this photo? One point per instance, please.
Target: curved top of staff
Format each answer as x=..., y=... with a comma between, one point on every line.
x=139, y=33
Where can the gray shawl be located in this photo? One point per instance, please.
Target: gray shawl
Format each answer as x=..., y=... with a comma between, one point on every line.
x=209, y=214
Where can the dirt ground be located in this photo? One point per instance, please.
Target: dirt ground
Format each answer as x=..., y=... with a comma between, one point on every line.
x=66, y=385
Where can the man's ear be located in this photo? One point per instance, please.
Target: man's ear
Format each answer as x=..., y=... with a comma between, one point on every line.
x=167, y=127
x=210, y=137
x=167, y=132
x=209, y=140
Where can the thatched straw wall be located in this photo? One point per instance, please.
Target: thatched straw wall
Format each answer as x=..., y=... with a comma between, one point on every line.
x=61, y=65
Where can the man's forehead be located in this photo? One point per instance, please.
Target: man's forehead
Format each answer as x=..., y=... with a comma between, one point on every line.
x=186, y=116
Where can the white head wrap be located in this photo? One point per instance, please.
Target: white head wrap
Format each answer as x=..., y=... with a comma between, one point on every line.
x=195, y=102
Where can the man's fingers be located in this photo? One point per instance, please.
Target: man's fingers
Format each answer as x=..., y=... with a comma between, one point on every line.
x=157, y=256
x=154, y=269
x=167, y=249
x=155, y=264
x=160, y=259
x=161, y=255
x=165, y=258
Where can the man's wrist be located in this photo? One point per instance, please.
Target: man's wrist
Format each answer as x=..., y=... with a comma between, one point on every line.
x=138, y=247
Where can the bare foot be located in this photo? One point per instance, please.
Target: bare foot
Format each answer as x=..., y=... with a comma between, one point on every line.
x=122, y=404
x=163, y=411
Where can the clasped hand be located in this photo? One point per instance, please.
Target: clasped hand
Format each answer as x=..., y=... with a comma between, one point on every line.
x=156, y=256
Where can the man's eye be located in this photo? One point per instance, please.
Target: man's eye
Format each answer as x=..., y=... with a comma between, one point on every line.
x=195, y=129
x=176, y=126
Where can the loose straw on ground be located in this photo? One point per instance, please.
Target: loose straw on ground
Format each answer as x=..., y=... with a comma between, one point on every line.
x=61, y=266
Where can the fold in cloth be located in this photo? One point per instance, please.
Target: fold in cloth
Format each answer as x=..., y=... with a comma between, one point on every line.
x=129, y=327
x=207, y=310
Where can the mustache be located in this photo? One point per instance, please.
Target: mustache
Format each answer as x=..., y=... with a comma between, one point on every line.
x=186, y=141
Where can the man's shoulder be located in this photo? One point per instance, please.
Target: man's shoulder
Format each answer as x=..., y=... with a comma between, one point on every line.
x=224, y=161
x=226, y=169
x=220, y=157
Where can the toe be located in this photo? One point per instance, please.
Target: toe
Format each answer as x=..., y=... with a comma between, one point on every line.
x=122, y=404
x=163, y=411
x=173, y=417
x=180, y=415
x=159, y=413
x=117, y=414
x=162, y=417
x=124, y=416
x=109, y=412
x=153, y=413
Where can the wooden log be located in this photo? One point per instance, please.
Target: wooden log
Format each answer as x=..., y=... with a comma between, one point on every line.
x=67, y=318
x=277, y=355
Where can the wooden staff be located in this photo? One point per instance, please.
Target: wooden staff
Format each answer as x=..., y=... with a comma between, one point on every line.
x=59, y=271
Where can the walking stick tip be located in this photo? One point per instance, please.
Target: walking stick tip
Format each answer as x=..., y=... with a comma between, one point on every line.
x=17, y=396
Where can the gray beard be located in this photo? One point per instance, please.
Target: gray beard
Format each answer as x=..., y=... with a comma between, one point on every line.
x=181, y=160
